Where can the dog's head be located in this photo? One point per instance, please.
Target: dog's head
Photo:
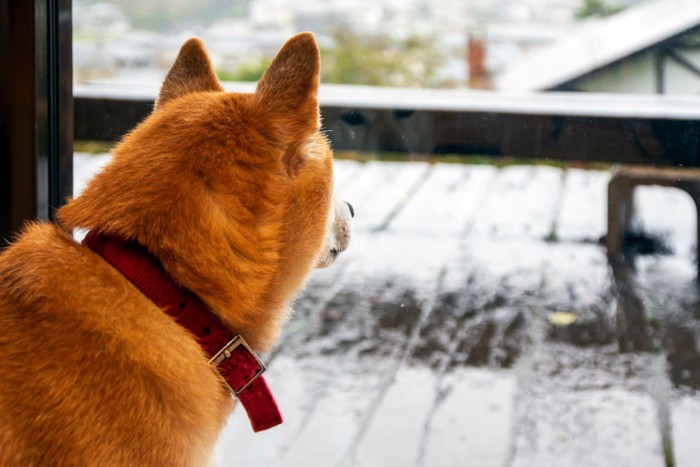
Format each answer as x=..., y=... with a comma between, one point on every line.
x=232, y=192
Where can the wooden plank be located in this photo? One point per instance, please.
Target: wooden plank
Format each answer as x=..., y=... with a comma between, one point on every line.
x=412, y=259
x=583, y=211
x=580, y=405
x=345, y=171
x=685, y=418
x=512, y=263
x=447, y=201
x=522, y=204
x=380, y=190
x=576, y=281
x=463, y=427
x=669, y=212
x=469, y=426
x=395, y=433
x=337, y=418
x=584, y=406
x=589, y=429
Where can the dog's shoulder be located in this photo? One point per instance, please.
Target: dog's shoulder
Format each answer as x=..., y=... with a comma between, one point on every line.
x=41, y=251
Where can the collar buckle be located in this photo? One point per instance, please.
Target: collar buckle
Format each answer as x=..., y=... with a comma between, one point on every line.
x=226, y=352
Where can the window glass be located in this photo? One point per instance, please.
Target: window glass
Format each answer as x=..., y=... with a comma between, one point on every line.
x=521, y=288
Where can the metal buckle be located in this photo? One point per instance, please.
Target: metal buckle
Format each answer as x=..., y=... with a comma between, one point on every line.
x=225, y=353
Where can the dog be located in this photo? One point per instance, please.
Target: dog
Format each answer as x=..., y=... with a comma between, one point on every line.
x=228, y=197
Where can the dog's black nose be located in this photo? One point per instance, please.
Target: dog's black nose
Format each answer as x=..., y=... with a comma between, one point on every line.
x=352, y=211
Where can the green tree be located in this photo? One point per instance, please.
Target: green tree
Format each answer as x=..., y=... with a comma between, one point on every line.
x=371, y=60
x=250, y=71
x=379, y=60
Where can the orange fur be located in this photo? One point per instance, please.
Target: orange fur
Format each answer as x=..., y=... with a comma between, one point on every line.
x=232, y=193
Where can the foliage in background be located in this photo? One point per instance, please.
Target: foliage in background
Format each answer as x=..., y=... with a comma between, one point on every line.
x=251, y=71
x=93, y=147
x=379, y=60
x=596, y=9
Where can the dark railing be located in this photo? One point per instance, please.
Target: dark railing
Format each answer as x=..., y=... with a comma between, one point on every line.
x=562, y=126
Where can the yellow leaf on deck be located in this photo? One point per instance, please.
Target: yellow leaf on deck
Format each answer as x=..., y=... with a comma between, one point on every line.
x=562, y=318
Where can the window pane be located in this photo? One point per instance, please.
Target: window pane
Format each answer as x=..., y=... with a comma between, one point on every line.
x=522, y=285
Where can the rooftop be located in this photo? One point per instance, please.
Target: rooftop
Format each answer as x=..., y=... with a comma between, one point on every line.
x=600, y=43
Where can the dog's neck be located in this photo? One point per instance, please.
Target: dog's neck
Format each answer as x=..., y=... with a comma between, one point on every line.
x=230, y=356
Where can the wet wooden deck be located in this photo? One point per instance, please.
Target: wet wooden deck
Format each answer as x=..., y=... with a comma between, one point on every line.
x=476, y=321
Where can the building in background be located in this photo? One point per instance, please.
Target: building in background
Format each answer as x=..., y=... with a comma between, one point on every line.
x=651, y=48
x=538, y=45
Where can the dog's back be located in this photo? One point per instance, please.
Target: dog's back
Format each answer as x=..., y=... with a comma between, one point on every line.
x=91, y=372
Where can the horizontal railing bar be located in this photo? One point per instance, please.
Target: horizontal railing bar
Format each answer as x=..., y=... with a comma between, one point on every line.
x=452, y=100
x=561, y=126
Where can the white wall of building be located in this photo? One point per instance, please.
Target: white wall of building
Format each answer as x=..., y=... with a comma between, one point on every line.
x=638, y=75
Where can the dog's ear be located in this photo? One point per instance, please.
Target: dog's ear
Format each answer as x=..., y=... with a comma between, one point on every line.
x=191, y=72
x=288, y=88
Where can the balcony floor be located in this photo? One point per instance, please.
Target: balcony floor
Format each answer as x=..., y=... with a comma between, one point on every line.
x=476, y=321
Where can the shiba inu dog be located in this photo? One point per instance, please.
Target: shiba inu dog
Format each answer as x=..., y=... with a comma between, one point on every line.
x=123, y=350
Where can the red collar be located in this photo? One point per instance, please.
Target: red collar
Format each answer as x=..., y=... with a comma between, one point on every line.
x=238, y=365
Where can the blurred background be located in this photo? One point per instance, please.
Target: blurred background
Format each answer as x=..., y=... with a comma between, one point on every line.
x=480, y=44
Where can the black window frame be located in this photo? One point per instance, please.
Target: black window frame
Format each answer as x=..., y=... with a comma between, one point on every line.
x=36, y=111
